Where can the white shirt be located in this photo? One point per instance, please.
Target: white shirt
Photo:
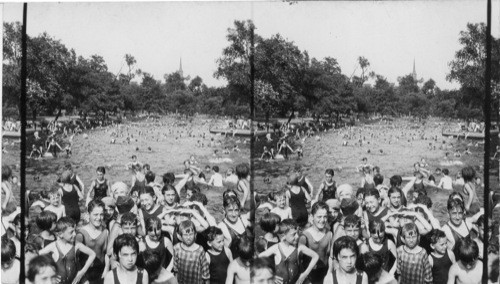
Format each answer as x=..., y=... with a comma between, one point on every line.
x=446, y=183
x=216, y=180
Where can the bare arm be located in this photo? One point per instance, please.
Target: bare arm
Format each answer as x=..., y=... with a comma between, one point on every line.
x=394, y=252
x=409, y=185
x=8, y=194
x=452, y=274
x=231, y=270
x=85, y=250
x=89, y=193
x=314, y=259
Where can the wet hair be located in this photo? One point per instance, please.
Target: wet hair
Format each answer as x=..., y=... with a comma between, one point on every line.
x=148, y=190
x=215, y=168
x=45, y=220
x=153, y=223
x=330, y=172
x=95, y=203
x=352, y=221
x=372, y=192
x=344, y=242
x=151, y=261
x=150, y=177
x=125, y=240
x=231, y=200
x=245, y=248
x=317, y=206
x=456, y=195
x=101, y=170
x=6, y=172
x=242, y=171
x=408, y=228
x=185, y=225
x=212, y=232
x=375, y=227
x=227, y=193
x=396, y=180
x=372, y=264
x=467, y=250
x=8, y=250
x=168, y=178
x=147, y=167
x=269, y=221
x=37, y=264
x=432, y=178
x=468, y=173
x=63, y=224
x=361, y=190
x=425, y=200
x=455, y=204
x=436, y=235
x=128, y=218
x=261, y=263
x=286, y=225
x=378, y=179
x=446, y=172
x=202, y=175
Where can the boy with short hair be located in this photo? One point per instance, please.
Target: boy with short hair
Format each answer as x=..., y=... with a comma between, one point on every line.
x=238, y=271
x=413, y=266
x=446, y=181
x=468, y=269
x=11, y=267
x=56, y=205
x=42, y=269
x=46, y=222
x=64, y=251
x=262, y=271
x=345, y=253
x=352, y=228
x=190, y=263
x=218, y=257
x=282, y=209
x=216, y=178
x=126, y=249
x=441, y=258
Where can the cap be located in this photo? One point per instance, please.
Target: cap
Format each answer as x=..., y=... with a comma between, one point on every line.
x=108, y=201
x=124, y=204
x=333, y=203
x=344, y=189
x=119, y=186
x=349, y=206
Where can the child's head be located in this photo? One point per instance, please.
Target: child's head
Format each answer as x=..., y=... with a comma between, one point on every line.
x=288, y=231
x=432, y=178
x=101, y=171
x=215, y=168
x=377, y=231
x=360, y=196
x=438, y=171
x=129, y=223
x=467, y=252
x=55, y=198
x=65, y=229
x=232, y=208
x=150, y=176
x=269, y=221
x=46, y=220
x=153, y=228
x=134, y=158
x=8, y=253
x=245, y=249
x=424, y=200
x=148, y=198
x=372, y=200
x=329, y=174
x=262, y=271
x=345, y=251
x=187, y=232
x=242, y=170
x=96, y=212
x=438, y=241
x=170, y=194
x=378, y=179
x=319, y=213
x=333, y=210
x=215, y=238
x=352, y=224
x=199, y=197
x=191, y=191
x=372, y=265
x=168, y=178
x=109, y=207
x=42, y=269
x=410, y=235
x=152, y=262
x=396, y=181
x=280, y=198
x=468, y=173
x=126, y=250
x=395, y=195
x=456, y=211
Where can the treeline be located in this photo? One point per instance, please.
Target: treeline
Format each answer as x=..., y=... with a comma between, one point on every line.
x=287, y=81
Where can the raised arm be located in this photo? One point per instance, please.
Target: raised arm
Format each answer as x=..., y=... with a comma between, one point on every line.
x=314, y=259
x=91, y=256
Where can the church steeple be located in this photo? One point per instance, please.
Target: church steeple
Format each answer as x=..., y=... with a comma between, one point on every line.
x=180, y=68
x=414, y=74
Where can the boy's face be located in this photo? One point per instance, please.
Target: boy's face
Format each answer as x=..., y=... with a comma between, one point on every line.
x=281, y=201
x=263, y=276
x=218, y=243
x=328, y=177
x=395, y=199
x=347, y=260
x=47, y=275
x=96, y=217
x=110, y=211
x=291, y=236
x=456, y=216
x=440, y=246
x=352, y=231
x=55, y=199
x=320, y=218
x=378, y=238
x=129, y=229
x=68, y=235
x=188, y=236
x=100, y=175
x=189, y=194
x=127, y=257
x=372, y=203
x=169, y=197
x=411, y=239
x=232, y=213
x=470, y=265
x=361, y=199
x=154, y=234
x=147, y=201
x=135, y=197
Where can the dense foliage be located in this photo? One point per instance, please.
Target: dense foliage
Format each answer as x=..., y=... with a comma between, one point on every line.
x=287, y=81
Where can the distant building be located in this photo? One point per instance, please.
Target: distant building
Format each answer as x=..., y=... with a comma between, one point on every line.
x=180, y=69
x=414, y=74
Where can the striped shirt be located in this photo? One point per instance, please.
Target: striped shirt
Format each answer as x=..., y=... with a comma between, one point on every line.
x=191, y=267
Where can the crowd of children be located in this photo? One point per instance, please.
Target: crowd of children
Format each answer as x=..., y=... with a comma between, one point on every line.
x=145, y=233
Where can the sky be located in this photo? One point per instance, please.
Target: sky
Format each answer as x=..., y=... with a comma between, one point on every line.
x=391, y=35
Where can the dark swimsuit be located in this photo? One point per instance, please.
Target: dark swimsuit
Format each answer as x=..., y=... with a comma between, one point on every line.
x=298, y=205
x=235, y=237
x=162, y=251
x=329, y=191
x=386, y=255
x=139, y=276
x=218, y=267
x=66, y=265
x=70, y=201
x=440, y=268
x=359, y=277
x=288, y=268
x=100, y=189
x=94, y=273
